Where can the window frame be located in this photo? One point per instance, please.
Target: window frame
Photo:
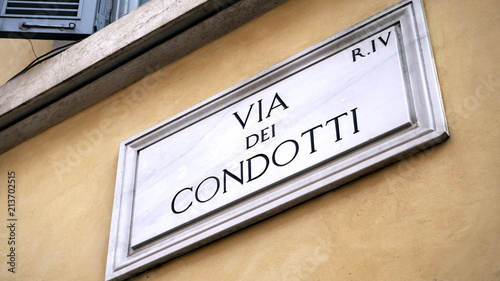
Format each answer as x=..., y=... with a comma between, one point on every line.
x=93, y=15
x=123, y=7
x=52, y=27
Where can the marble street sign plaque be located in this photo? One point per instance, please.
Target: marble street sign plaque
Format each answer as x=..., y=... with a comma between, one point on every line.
x=345, y=107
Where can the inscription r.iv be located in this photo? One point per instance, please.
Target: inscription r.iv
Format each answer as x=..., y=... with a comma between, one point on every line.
x=357, y=52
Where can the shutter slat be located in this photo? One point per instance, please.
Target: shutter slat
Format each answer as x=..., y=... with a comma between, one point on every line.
x=43, y=1
x=42, y=13
x=43, y=8
x=52, y=5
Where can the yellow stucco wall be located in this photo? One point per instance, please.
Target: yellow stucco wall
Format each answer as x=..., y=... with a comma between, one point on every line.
x=434, y=216
x=16, y=54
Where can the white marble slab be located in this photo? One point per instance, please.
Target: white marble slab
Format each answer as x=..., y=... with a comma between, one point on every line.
x=369, y=95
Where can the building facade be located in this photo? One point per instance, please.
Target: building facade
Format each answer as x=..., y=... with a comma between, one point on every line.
x=431, y=216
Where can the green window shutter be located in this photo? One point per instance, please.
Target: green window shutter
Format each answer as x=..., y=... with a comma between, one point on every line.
x=49, y=19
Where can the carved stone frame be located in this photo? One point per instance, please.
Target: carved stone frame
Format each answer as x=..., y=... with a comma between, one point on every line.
x=429, y=128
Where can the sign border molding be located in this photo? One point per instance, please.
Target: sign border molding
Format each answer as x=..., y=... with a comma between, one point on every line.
x=429, y=128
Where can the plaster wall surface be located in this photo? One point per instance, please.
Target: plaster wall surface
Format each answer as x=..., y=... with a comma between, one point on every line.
x=432, y=216
x=16, y=54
